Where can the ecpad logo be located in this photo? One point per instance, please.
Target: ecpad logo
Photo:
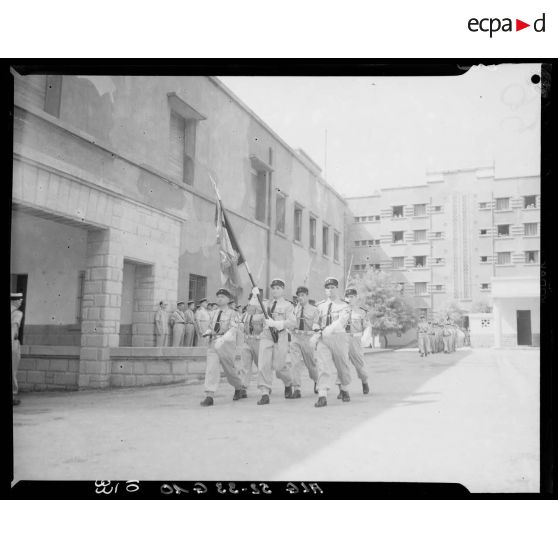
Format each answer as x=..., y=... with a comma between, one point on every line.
x=493, y=25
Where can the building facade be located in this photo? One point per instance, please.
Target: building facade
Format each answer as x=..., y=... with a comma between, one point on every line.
x=451, y=238
x=114, y=208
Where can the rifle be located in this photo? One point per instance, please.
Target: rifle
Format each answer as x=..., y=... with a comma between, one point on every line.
x=274, y=333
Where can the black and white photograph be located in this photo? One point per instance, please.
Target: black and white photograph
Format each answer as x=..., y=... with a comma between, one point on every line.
x=261, y=278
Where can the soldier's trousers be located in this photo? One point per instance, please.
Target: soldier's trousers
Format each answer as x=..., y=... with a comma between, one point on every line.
x=249, y=352
x=332, y=355
x=453, y=339
x=423, y=343
x=447, y=343
x=161, y=339
x=16, y=357
x=220, y=353
x=302, y=356
x=178, y=330
x=273, y=356
x=356, y=356
x=189, y=332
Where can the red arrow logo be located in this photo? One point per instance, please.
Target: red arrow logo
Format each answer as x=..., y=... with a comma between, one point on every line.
x=519, y=25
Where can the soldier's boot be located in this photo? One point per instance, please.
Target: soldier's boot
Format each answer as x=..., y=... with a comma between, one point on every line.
x=365, y=388
x=288, y=392
x=321, y=402
x=207, y=402
x=345, y=397
x=264, y=399
x=243, y=393
x=237, y=394
x=297, y=394
x=340, y=394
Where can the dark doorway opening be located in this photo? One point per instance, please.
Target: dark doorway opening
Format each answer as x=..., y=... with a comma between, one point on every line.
x=524, y=336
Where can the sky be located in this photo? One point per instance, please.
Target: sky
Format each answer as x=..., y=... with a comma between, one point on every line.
x=390, y=131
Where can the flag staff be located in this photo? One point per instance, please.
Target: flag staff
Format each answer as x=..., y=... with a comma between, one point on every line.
x=273, y=331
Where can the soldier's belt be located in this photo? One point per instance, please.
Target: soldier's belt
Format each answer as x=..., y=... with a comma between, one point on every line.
x=303, y=332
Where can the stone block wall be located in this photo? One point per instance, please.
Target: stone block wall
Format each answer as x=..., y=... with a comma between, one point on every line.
x=48, y=368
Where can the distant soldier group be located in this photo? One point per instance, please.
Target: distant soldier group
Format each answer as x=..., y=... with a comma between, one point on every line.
x=439, y=336
x=323, y=340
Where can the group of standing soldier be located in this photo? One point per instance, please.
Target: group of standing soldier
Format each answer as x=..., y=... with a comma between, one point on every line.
x=437, y=337
x=323, y=340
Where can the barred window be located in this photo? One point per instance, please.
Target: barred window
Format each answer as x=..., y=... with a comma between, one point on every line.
x=504, y=258
x=398, y=263
x=532, y=256
x=419, y=209
x=420, y=235
x=502, y=204
x=531, y=229
x=420, y=289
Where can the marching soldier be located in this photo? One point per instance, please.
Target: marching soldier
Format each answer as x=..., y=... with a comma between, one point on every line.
x=202, y=322
x=222, y=333
x=358, y=321
x=161, y=325
x=17, y=316
x=332, y=343
x=190, y=324
x=302, y=352
x=251, y=327
x=273, y=356
x=178, y=323
x=423, y=333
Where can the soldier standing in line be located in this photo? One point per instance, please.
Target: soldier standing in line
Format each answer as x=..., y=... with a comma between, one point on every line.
x=447, y=336
x=332, y=343
x=422, y=332
x=222, y=334
x=17, y=316
x=251, y=327
x=202, y=322
x=161, y=325
x=273, y=356
x=302, y=352
x=358, y=321
x=190, y=324
x=178, y=323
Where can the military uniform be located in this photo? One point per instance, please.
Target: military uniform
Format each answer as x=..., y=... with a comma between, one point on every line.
x=423, y=333
x=161, y=327
x=202, y=323
x=189, y=326
x=447, y=337
x=178, y=322
x=221, y=351
x=332, y=347
x=302, y=351
x=358, y=321
x=273, y=356
x=251, y=327
x=17, y=316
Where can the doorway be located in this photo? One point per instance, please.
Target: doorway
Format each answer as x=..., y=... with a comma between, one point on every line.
x=524, y=336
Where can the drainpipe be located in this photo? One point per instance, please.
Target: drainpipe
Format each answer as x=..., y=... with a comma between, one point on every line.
x=431, y=267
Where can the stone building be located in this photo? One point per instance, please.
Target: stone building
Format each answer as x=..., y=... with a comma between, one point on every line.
x=113, y=210
x=453, y=239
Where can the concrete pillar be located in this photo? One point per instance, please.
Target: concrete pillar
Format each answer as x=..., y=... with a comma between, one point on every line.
x=102, y=298
x=497, y=325
x=143, y=327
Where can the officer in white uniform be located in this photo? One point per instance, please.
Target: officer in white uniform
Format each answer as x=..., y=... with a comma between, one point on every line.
x=222, y=332
x=302, y=351
x=357, y=323
x=202, y=322
x=332, y=343
x=161, y=325
x=178, y=323
x=273, y=356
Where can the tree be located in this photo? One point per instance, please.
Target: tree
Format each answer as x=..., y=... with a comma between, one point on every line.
x=390, y=312
x=453, y=310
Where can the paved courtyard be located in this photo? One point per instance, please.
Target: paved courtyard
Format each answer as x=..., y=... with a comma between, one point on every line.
x=470, y=417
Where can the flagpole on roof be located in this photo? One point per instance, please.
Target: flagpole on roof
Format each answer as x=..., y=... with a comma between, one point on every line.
x=236, y=246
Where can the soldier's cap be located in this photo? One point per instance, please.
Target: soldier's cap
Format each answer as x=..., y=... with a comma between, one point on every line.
x=278, y=283
x=16, y=296
x=180, y=302
x=331, y=282
x=224, y=292
x=202, y=300
x=301, y=290
x=350, y=291
x=191, y=302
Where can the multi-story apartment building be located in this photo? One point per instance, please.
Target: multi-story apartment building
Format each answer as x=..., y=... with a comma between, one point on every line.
x=114, y=208
x=451, y=239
